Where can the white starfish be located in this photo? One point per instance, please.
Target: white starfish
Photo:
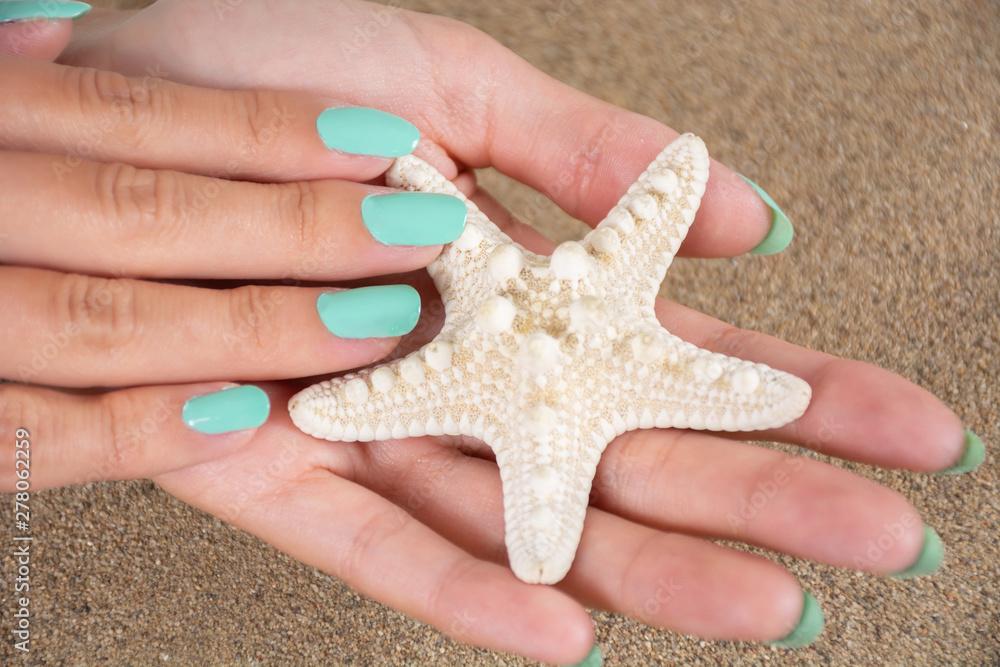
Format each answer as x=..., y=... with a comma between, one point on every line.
x=547, y=359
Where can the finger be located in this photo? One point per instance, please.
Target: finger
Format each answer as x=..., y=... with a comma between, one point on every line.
x=378, y=549
x=111, y=218
x=579, y=151
x=665, y=579
x=702, y=484
x=75, y=330
x=858, y=411
x=32, y=36
x=127, y=434
x=151, y=122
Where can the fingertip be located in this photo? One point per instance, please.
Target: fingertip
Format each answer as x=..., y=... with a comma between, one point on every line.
x=779, y=230
x=594, y=658
x=928, y=558
x=808, y=627
x=885, y=420
x=356, y=130
x=973, y=453
x=568, y=638
x=38, y=39
x=370, y=313
x=227, y=409
x=732, y=220
x=775, y=603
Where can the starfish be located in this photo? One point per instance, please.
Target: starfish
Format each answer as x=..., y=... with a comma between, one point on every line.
x=548, y=359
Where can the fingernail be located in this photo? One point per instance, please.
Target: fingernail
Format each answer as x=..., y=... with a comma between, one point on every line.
x=593, y=659
x=809, y=628
x=231, y=409
x=781, y=232
x=414, y=218
x=32, y=10
x=378, y=311
x=364, y=131
x=929, y=559
x=972, y=456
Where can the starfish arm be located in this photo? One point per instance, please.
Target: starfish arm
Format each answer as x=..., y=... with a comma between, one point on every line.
x=460, y=271
x=546, y=490
x=419, y=394
x=667, y=382
x=639, y=237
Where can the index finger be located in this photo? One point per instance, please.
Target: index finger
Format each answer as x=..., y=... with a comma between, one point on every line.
x=151, y=122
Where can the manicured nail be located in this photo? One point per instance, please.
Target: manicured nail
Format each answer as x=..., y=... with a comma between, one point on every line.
x=972, y=456
x=33, y=10
x=365, y=131
x=809, y=628
x=929, y=559
x=378, y=311
x=231, y=409
x=593, y=659
x=781, y=233
x=414, y=218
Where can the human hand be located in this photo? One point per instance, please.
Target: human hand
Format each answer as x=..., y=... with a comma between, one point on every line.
x=858, y=412
x=113, y=187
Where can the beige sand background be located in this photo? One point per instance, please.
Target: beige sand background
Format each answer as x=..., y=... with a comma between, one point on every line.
x=876, y=125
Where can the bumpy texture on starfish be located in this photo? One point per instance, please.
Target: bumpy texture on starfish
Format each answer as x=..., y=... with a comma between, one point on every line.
x=547, y=359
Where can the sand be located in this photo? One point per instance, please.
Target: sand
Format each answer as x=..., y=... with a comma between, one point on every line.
x=875, y=124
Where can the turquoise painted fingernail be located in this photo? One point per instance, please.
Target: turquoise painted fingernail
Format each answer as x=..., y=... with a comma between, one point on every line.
x=593, y=659
x=781, y=232
x=365, y=131
x=928, y=560
x=378, y=311
x=33, y=10
x=972, y=456
x=414, y=218
x=232, y=409
x=809, y=628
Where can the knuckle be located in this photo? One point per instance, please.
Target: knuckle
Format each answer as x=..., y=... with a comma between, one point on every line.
x=260, y=114
x=143, y=204
x=251, y=310
x=375, y=531
x=119, y=444
x=19, y=408
x=440, y=605
x=576, y=176
x=636, y=472
x=632, y=576
x=730, y=340
x=99, y=312
x=300, y=210
x=127, y=105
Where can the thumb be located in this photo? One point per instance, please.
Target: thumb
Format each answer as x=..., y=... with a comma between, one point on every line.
x=580, y=151
x=38, y=29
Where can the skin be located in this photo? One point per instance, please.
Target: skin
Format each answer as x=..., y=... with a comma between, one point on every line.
x=415, y=524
